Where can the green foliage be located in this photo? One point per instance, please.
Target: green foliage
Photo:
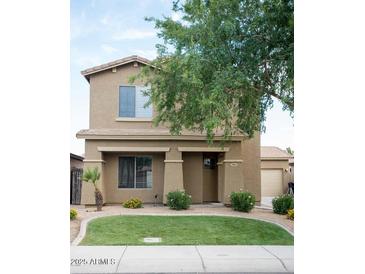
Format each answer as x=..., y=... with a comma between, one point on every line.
x=242, y=201
x=73, y=214
x=229, y=59
x=91, y=175
x=291, y=214
x=290, y=151
x=283, y=203
x=184, y=230
x=133, y=203
x=178, y=200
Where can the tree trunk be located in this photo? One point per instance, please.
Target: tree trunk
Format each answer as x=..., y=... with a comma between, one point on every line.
x=98, y=199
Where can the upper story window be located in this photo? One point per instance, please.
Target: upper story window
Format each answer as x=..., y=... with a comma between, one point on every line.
x=132, y=101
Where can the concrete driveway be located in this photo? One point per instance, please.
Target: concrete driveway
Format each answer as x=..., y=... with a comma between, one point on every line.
x=178, y=259
x=266, y=202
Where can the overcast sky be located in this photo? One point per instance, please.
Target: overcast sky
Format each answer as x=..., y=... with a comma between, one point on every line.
x=105, y=30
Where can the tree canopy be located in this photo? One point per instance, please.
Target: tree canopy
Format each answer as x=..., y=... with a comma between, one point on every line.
x=222, y=64
x=290, y=151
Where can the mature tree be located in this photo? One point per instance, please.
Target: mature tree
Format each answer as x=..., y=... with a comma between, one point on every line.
x=93, y=176
x=290, y=151
x=222, y=64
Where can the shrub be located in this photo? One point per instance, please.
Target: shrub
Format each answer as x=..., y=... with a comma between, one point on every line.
x=283, y=203
x=133, y=203
x=73, y=214
x=178, y=200
x=242, y=201
x=291, y=214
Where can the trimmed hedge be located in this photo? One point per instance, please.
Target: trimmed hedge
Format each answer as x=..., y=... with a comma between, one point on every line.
x=73, y=214
x=242, y=201
x=178, y=200
x=133, y=203
x=283, y=203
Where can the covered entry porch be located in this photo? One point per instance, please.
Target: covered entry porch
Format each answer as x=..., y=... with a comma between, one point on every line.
x=207, y=173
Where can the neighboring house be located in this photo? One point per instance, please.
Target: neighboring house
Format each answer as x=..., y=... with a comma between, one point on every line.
x=76, y=161
x=138, y=160
x=275, y=171
x=76, y=166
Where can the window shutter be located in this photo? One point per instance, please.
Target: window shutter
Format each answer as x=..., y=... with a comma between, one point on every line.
x=127, y=99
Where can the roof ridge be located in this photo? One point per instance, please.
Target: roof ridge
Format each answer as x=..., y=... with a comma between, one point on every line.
x=115, y=63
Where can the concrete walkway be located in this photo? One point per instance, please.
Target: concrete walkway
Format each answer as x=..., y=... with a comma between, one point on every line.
x=178, y=259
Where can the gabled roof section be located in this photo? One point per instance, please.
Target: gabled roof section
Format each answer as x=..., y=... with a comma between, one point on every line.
x=76, y=157
x=271, y=152
x=120, y=62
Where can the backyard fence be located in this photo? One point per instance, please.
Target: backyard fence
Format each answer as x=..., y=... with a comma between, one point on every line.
x=76, y=185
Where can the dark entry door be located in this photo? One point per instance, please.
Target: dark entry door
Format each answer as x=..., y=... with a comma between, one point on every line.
x=210, y=177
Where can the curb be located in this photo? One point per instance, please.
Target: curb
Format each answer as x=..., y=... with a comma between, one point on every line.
x=84, y=222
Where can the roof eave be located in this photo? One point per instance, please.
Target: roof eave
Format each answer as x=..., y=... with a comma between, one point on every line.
x=152, y=137
x=87, y=72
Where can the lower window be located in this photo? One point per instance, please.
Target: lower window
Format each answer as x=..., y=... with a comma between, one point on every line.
x=135, y=172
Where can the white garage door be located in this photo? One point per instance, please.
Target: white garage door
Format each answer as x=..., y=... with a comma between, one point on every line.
x=271, y=182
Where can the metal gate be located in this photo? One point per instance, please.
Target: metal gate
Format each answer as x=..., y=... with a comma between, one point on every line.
x=76, y=185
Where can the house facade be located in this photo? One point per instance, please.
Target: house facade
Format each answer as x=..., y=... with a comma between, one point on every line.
x=276, y=171
x=137, y=159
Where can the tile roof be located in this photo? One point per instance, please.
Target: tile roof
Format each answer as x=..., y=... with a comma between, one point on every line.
x=116, y=63
x=274, y=152
x=143, y=132
x=77, y=157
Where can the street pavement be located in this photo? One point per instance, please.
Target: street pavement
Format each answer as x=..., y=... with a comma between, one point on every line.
x=182, y=259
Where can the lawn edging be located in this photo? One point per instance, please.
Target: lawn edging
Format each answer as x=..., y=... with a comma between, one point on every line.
x=84, y=222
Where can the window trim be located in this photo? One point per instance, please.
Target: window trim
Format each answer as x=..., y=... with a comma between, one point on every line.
x=135, y=171
x=132, y=119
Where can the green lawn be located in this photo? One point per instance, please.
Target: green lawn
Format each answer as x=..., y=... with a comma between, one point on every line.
x=184, y=230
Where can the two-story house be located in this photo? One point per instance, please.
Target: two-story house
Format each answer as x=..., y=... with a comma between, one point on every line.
x=138, y=160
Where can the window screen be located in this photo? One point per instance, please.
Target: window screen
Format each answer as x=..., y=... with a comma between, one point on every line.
x=143, y=172
x=135, y=172
x=141, y=100
x=127, y=98
x=132, y=102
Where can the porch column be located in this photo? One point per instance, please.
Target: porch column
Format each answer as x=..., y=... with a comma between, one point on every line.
x=87, y=192
x=173, y=175
x=233, y=178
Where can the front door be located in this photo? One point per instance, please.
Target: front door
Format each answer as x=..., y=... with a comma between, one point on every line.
x=210, y=177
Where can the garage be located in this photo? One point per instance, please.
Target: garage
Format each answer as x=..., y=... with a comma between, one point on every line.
x=271, y=182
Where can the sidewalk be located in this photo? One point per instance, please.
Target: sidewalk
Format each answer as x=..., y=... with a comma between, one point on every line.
x=177, y=259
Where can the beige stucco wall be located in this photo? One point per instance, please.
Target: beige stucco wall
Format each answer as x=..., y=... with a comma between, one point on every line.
x=240, y=174
x=251, y=155
x=113, y=194
x=104, y=98
x=279, y=164
x=193, y=175
x=291, y=173
x=239, y=168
